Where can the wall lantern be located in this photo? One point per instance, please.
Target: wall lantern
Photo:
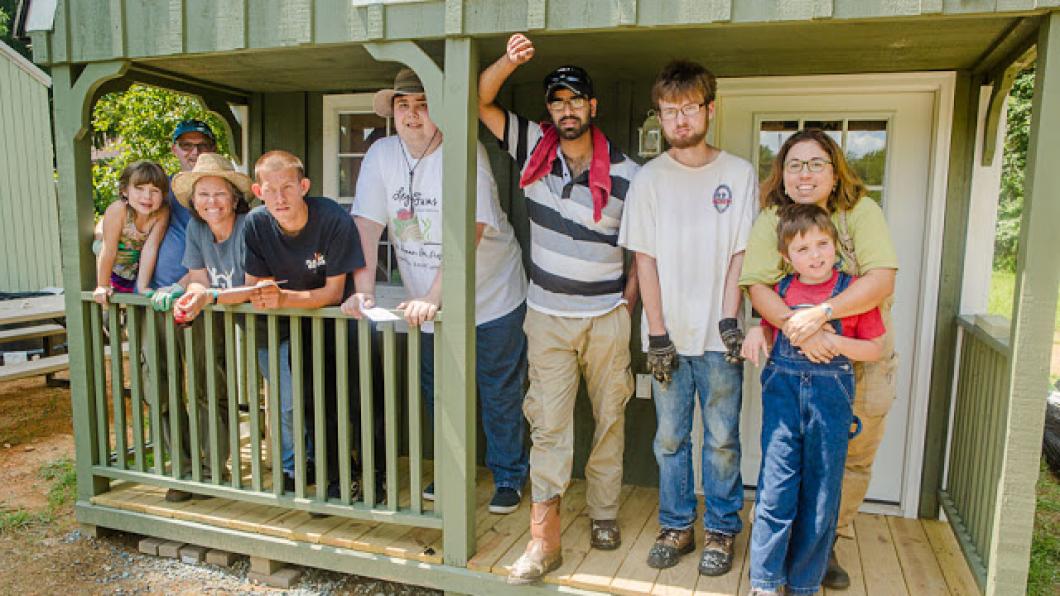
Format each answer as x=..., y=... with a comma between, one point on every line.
x=650, y=135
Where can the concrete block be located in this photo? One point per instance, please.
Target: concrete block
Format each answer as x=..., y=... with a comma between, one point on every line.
x=170, y=549
x=192, y=554
x=265, y=566
x=284, y=578
x=221, y=558
x=149, y=545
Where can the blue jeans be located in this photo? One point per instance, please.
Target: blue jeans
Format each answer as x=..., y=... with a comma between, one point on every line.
x=500, y=372
x=719, y=386
x=807, y=412
x=286, y=404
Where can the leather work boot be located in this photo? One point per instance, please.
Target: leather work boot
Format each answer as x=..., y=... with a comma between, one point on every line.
x=717, y=554
x=669, y=546
x=835, y=577
x=544, y=552
x=604, y=534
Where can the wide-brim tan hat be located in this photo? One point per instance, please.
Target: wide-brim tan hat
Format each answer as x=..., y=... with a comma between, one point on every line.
x=405, y=83
x=209, y=164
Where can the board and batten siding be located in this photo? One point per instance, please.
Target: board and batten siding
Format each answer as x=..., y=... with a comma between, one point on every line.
x=29, y=217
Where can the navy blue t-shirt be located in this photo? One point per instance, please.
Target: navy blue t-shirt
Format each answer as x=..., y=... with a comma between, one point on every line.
x=169, y=268
x=328, y=245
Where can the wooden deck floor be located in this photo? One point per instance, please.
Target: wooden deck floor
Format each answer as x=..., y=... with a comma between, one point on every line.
x=890, y=555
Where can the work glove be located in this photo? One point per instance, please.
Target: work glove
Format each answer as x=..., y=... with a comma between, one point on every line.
x=662, y=357
x=162, y=299
x=732, y=337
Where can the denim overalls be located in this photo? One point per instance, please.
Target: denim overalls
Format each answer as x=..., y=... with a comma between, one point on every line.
x=807, y=412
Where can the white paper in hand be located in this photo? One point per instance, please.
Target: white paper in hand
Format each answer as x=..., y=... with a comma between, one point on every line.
x=380, y=315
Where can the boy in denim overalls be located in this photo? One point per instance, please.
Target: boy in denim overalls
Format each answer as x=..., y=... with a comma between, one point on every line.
x=806, y=414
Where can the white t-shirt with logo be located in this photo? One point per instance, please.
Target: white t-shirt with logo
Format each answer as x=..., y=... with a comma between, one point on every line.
x=414, y=220
x=692, y=221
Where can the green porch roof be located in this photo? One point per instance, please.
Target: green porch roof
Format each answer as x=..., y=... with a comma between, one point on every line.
x=314, y=45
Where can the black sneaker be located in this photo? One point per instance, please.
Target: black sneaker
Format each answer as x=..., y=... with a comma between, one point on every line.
x=505, y=500
x=428, y=493
x=835, y=577
x=717, y=554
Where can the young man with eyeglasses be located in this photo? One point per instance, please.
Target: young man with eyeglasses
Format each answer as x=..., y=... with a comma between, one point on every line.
x=688, y=218
x=580, y=297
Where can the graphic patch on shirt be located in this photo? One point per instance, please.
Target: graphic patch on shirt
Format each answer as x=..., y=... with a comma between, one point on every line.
x=221, y=278
x=316, y=261
x=722, y=197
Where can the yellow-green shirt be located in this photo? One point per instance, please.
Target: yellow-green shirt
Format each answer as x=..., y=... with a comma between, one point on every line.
x=866, y=225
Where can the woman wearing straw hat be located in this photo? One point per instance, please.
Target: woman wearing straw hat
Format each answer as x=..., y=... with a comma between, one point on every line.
x=216, y=195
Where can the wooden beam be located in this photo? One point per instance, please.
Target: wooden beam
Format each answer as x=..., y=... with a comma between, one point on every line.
x=73, y=93
x=456, y=414
x=954, y=236
x=412, y=55
x=1031, y=336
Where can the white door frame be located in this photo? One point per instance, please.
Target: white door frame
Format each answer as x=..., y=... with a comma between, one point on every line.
x=941, y=85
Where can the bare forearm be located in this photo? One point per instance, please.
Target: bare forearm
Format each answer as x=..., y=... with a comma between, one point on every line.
x=489, y=85
x=731, y=299
x=860, y=350
x=769, y=304
x=317, y=298
x=650, y=293
x=864, y=294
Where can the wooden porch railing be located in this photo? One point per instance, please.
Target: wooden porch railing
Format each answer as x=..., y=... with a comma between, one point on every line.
x=977, y=443
x=128, y=443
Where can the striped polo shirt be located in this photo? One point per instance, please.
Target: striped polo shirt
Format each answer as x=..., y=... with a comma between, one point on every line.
x=576, y=264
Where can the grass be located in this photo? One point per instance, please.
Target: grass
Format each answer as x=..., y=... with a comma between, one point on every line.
x=61, y=493
x=1044, y=573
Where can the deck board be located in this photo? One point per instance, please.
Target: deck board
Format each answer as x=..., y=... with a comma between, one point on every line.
x=888, y=556
x=882, y=571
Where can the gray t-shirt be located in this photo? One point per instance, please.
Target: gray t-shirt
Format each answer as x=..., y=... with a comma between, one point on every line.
x=223, y=261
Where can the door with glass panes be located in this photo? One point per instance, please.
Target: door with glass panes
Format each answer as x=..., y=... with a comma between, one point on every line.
x=887, y=138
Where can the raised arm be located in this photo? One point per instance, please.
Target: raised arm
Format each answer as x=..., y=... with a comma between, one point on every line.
x=520, y=50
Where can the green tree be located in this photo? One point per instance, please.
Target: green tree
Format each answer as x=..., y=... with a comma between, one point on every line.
x=137, y=124
x=5, y=20
x=1013, y=166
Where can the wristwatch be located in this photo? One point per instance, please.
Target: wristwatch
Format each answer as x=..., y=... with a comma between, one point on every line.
x=827, y=310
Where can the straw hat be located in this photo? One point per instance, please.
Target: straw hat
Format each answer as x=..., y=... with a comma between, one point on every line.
x=208, y=164
x=405, y=83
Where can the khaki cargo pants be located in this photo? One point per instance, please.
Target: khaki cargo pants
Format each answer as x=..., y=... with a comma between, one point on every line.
x=561, y=351
x=874, y=392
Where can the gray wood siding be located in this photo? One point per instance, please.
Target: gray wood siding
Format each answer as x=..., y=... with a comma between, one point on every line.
x=29, y=219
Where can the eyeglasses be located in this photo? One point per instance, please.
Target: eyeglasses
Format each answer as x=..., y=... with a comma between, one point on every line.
x=815, y=165
x=188, y=146
x=690, y=109
x=574, y=103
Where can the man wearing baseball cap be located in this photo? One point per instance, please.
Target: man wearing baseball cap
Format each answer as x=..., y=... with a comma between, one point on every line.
x=580, y=297
x=399, y=189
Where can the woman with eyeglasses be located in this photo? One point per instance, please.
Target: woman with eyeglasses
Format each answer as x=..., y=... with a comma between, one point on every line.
x=810, y=168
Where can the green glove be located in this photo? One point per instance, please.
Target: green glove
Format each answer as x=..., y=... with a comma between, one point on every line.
x=162, y=299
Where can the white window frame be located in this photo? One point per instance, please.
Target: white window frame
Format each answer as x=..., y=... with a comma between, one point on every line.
x=335, y=106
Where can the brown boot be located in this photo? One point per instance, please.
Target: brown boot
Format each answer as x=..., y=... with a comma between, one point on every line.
x=544, y=552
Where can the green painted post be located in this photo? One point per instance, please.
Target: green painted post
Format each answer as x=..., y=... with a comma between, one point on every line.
x=415, y=424
x=1031, y=336
x=298, y=397
x=273, y=330
x=153, y=390
x=212, y=432
x=958, y=200
x=390, y=416
x=319, y=413
x=136, y=389
x=192, y=401
x=73, y=89
x=233, y=376
x=253, y=404
x=117, y=384
x=457, y=411
x=99, y=388
x=364, y=370
x=342, y=390
x=176, y=457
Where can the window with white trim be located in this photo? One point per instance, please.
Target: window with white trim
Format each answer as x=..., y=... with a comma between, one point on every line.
x=350, y=128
